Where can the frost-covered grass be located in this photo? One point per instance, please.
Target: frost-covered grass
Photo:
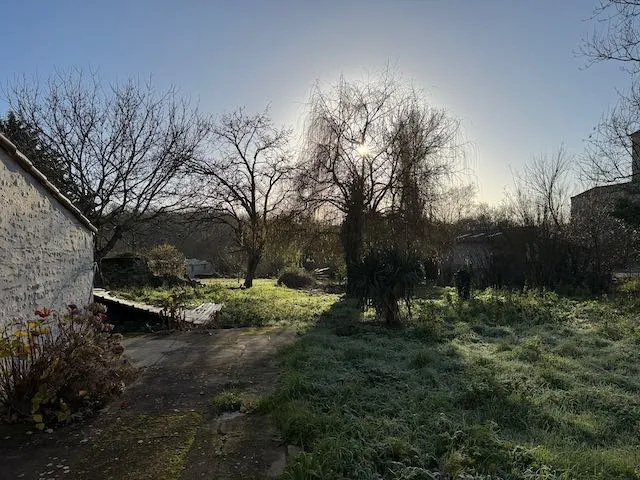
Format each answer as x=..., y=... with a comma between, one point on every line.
x=265, y=304
x=506, y=386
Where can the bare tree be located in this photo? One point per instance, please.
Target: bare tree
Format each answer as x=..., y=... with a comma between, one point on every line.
x=419, y=139
x=619, y=40
x=541, y=194
x=122, y=147
x=616, y=37
x=609, y=149
x=453, y=203
x=371, y=147
x=246, y=180
x=539, y=204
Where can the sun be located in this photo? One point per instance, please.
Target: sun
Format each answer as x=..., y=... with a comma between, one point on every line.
x=363, y=149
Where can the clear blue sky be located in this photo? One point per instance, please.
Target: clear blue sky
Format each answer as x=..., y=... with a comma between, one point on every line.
x=507, y=68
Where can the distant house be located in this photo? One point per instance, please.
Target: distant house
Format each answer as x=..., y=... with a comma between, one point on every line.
x=46, y=244
x=480, y=253
x=605, y=196
x=592, y=216
x=475, y=250
x=198, y=268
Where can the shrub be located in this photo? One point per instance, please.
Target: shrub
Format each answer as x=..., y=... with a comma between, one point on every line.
x=173, y=308
x=384, y=278
x=630, y=286
x=296, y=279
x=55, y=367
x=166, y=260
x=124, y=271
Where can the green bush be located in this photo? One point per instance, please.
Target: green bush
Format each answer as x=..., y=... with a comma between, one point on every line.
x=166, y=260
x=56, y=367
x=296, y=279
x=630, y=286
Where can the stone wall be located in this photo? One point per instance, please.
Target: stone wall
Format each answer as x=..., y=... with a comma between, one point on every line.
x=46, y=253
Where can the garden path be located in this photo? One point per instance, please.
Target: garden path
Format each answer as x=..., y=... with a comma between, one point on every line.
x=164, y=426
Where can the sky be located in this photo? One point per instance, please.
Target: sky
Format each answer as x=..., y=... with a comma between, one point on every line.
x=509, y=70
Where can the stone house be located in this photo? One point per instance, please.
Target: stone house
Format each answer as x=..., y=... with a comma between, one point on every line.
x=605, y=196
x=46, y=244
x=595, y=225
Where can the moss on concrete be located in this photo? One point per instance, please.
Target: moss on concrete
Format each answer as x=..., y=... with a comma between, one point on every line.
x=142, y=447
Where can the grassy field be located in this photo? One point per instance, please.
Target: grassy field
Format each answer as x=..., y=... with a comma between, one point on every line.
x=505, y=386
x=263, y=305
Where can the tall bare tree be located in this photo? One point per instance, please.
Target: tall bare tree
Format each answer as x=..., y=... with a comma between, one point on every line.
x=539, y=204
x=372, y=147
x=615, y=38
x=122, y=147
x=245, y=179
x=541, y=194
x=418, y=141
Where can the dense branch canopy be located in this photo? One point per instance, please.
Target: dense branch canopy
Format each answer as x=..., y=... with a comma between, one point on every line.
x=245, y=177
x=123, y=147
x=618, y=37
x=541, y=195
x=365, y=140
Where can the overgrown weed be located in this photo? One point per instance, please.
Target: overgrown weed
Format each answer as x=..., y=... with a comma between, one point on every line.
x=508, y=385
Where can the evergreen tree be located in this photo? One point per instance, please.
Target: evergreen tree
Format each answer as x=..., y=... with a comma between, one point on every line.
x=28, y=140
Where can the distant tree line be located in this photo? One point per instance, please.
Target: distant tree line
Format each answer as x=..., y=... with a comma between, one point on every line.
x=379, y=171
x=129, y=155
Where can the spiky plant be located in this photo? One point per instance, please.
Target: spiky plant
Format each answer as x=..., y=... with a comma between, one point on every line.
x=386, y=277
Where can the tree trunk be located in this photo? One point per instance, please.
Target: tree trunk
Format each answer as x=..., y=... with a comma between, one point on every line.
x=391, y=311
x=253, y=259
x=351, y=236
x=101, y=251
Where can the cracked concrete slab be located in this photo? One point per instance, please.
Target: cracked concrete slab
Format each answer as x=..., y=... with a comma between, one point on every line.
x=180, y=372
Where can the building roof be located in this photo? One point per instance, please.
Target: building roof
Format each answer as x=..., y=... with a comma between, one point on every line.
x=194, y=261
x=26, y=165
x=478, y=237
x=614, y=187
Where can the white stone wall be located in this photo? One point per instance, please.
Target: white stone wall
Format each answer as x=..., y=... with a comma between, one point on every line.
x=46, y=254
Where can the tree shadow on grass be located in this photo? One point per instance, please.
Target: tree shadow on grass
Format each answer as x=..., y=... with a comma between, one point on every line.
x=477, y=393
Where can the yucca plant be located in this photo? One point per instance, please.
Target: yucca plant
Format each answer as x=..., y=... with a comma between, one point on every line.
x=384, y=278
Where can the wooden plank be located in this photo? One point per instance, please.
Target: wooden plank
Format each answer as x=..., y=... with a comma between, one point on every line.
x=202, y=314
x=104, y=294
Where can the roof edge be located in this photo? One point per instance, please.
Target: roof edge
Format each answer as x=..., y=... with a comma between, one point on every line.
x=30, y=168
x=611, y=186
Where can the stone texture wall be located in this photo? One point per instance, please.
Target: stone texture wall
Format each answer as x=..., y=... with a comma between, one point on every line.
x=46, y=254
